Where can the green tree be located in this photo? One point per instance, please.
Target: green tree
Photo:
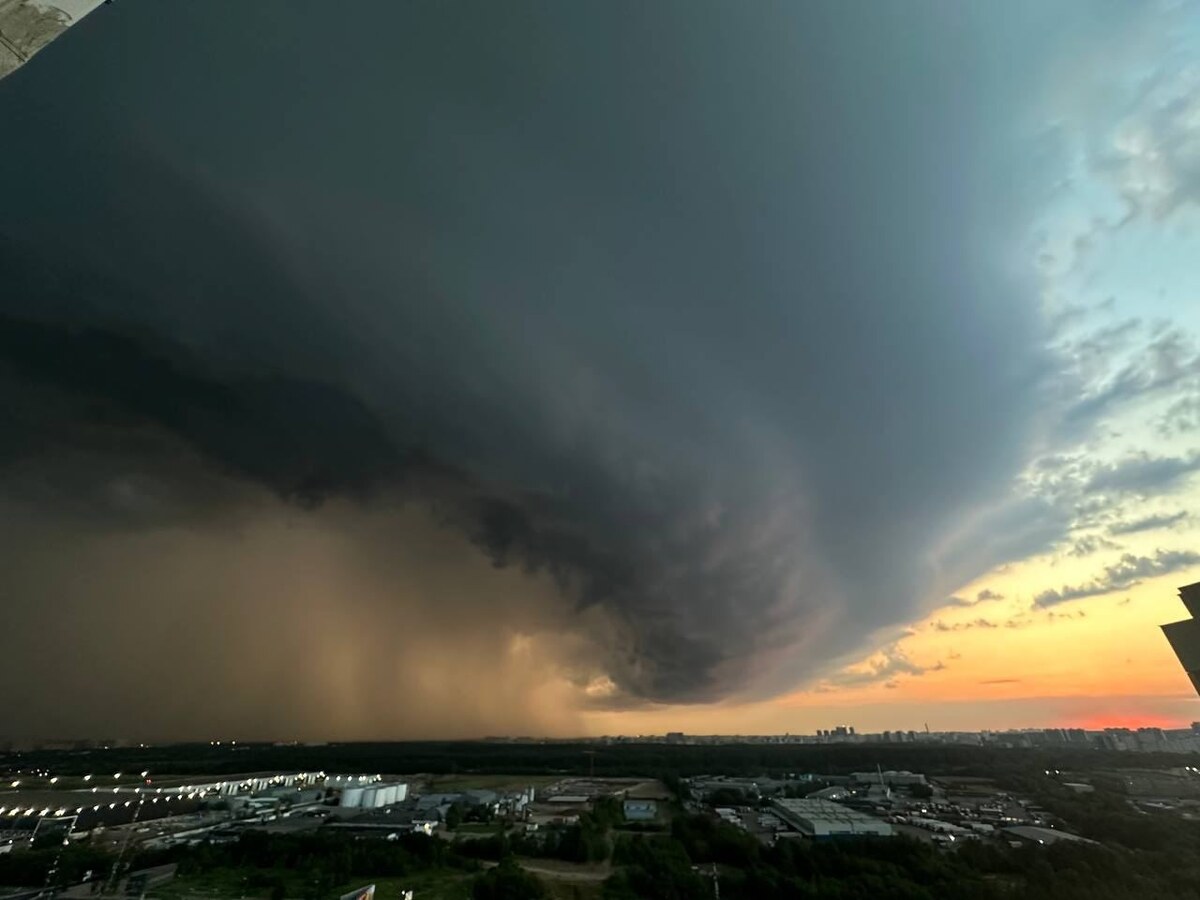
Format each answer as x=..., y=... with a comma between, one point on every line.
x=508, y=881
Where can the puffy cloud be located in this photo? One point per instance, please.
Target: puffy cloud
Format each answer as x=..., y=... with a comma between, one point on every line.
x=881, y=667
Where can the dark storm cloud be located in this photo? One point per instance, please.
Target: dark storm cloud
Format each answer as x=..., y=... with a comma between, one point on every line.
x=261, y=428
x=704, y=311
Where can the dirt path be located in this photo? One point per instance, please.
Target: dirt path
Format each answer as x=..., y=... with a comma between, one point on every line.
x=562, y=871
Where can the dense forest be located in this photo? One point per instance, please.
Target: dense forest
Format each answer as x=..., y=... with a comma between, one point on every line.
x=1157, y=858
x=631, y=759
x=1141, y=854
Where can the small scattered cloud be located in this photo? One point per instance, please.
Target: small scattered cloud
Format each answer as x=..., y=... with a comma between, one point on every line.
x=1143, y=474
x=1103, y=343
x=939, y=625
x=1181, y=417
x=1001, y=681
x=1092, y=543
x=1130, y=570
x=1168, y=363
x=1153, y=156
x=1149, y=523
x=1061, y=616
x=984, y=596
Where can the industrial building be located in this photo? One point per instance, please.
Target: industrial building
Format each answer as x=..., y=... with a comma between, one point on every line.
x=26, y=26
x=826, y=820
x=833, y=792
x=1184, y=635
x=1033, y=834
x=640, y=810
x=373, y=796
x=890, y=778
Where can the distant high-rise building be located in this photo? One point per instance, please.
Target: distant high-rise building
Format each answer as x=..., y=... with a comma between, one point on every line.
x=1185, y=634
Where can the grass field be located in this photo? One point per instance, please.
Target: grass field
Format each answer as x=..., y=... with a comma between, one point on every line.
x=449, y=884
x=227, y=884
x=222, y=883
x=564, y=880
x=476, y=828
x=454, y=885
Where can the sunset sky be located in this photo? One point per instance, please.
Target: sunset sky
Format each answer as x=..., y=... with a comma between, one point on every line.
x=389, y=370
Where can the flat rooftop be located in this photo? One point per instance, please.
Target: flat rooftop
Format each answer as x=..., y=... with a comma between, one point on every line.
x=26, y=26
x=1045, y=835
x=825, y=816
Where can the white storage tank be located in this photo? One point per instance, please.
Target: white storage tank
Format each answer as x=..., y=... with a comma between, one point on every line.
x=371, y=798
x=401, y=792
x=351, y=797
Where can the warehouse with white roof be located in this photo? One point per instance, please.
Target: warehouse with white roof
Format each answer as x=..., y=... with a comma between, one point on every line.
x=826, y=820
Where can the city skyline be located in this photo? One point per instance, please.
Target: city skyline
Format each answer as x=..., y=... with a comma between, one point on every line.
x=586, y=370
x=1145, y=738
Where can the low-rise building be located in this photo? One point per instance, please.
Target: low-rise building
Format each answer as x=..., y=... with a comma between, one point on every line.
x=826, y=820
x=640, y=810
x=890, y=778
x=833, y=792
x=1034, y=834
